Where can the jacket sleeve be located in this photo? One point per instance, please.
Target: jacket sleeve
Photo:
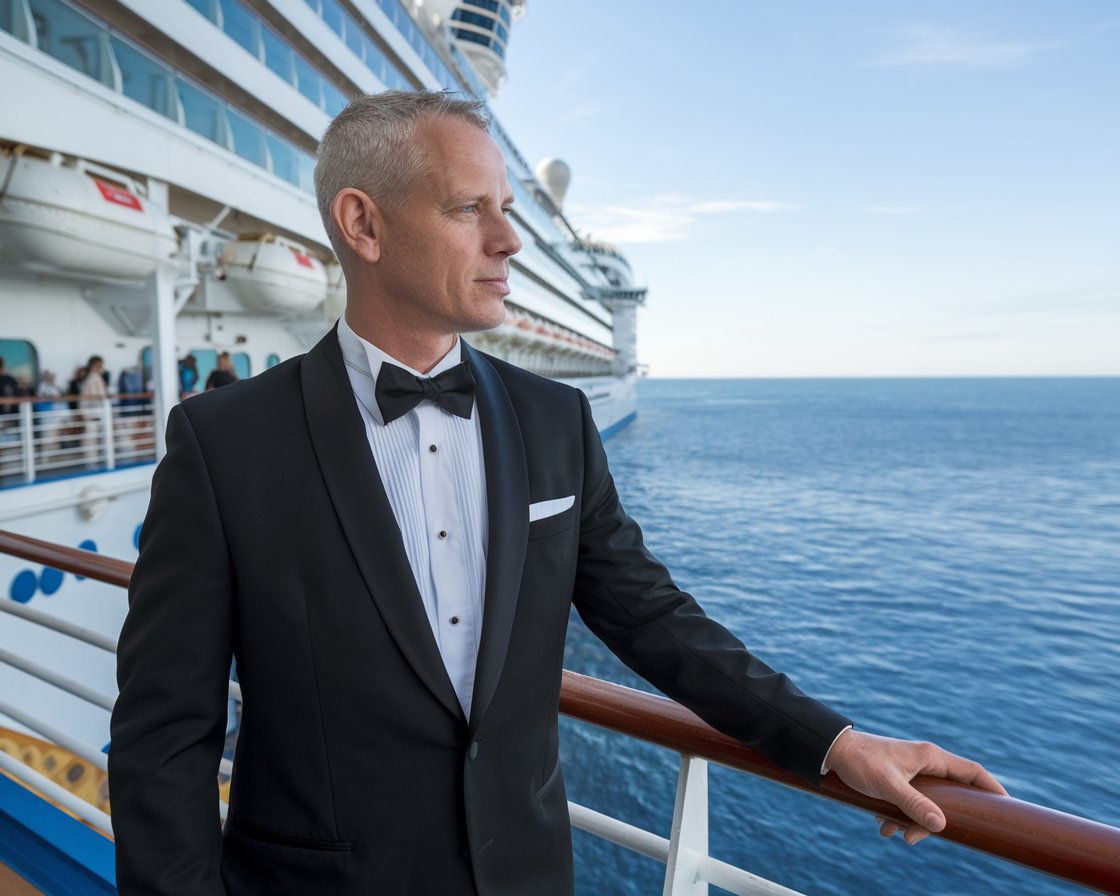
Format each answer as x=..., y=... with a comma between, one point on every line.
x=173, y=663
x=628, y=599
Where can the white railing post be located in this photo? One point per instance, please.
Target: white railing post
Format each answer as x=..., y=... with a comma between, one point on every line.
x=107, y=429
x=688, y=844
x=27, y=440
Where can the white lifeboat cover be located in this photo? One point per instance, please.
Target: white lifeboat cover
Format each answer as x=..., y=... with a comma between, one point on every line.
x=274, y=275
x=81, y=219
x=335, y=304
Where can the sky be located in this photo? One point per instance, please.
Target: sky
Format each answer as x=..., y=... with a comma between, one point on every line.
x=841, y=189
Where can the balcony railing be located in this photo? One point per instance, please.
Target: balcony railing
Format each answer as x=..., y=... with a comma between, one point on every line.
x=1050, y=842
x=48, y=439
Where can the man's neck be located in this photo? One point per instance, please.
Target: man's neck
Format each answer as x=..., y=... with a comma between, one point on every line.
x=416, y=349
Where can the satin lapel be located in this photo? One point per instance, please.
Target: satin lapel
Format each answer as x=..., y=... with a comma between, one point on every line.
x=507, y=500
x=365, y=514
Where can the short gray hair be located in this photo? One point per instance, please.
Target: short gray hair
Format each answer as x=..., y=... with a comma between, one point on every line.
x=370, y=146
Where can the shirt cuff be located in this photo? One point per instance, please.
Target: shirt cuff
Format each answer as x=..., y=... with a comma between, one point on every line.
x=825, y=767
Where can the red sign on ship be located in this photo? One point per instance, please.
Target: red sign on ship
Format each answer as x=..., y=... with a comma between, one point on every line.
x=302, y=259
x=119, y=195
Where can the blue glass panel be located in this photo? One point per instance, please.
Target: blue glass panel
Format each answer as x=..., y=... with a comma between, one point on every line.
x=334, y=101
x=491, y=5
x=70, y=38
x=308, y=81
x=206, y=7
x=473, y=18
x=306, y=172
x=502, y=33
x=278, y=55
x=472, y=36
x=353, y=37
x=272, y=360
x=503, y=11
x=146, y=81
x=248, y=138
x=332, y=15
x=241, y=365
x=241, y=25
x=285, y=165
x=202, y=114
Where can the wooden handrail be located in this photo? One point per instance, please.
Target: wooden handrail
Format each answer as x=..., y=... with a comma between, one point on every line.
x=1066, y=846
x=75, y=560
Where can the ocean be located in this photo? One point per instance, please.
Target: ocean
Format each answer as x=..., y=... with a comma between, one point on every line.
x=936, y=558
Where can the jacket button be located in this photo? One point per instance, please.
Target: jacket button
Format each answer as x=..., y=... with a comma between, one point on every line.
x=473, y=751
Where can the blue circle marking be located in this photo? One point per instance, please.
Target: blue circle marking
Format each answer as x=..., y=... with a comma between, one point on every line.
x=51, y=580
x=24, y=586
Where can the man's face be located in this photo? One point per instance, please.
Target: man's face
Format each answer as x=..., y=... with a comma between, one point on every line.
x=445, y=248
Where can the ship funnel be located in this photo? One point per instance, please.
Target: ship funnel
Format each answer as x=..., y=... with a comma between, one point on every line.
x=555, y=176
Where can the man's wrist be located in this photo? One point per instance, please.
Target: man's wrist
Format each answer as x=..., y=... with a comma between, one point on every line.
x=826, y=765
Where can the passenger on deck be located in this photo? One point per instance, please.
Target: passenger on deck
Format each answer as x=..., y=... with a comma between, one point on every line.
x=223, y=374
x=93, y=390
x=394, y=571
x=9, y=388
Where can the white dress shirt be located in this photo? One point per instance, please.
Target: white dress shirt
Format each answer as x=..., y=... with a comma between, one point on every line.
x=430, y=463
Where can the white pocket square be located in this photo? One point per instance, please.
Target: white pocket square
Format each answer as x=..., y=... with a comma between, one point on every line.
x=543, y=509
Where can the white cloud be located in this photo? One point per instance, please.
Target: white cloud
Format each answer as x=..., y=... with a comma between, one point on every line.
x=933, y=46
x=666, y=218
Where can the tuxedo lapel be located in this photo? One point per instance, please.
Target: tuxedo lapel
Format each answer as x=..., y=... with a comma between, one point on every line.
x=365, y=514
x=507, y=499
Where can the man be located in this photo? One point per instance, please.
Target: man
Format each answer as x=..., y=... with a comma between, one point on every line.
x=394, y=579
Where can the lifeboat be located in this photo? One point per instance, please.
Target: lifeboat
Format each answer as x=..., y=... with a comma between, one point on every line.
x=272, y=274
x=71, y=216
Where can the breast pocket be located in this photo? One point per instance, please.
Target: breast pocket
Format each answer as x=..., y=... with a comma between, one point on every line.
x=552, y=525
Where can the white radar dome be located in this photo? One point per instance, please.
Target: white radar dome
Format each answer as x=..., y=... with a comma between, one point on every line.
x=555, y=176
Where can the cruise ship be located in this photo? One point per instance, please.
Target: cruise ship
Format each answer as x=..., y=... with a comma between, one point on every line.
x=156, y=211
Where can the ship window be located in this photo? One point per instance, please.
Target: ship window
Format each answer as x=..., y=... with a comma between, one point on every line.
x=207, y=7
x=206, y=359
x=502, y=33
x=284, y=162
x=353, y=37
x=278, y=56
x=21, y=360
x=248, y=139
x=147, y=82
x=72, y=39
x=241, y=365
x=491, y=5
x=242, y=26
x=472, y=36
x=473, y=18
x=272, y=360
x=203, y=115
x=334, y=101
x=306, y=172
x=503, y=11
x=332, y=15
x=309, y=82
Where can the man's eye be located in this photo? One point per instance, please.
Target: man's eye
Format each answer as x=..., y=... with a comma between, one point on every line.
x=507, y=209
x=469, y=209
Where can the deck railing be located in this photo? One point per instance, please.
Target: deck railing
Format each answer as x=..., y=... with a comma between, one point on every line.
x=50, y=438
x=1065, y=846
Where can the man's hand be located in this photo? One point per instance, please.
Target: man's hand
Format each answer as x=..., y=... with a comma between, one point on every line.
x=883, y=767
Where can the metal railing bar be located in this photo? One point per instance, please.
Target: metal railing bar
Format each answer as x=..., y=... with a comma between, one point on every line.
x=57, y=794
x=64, y=740
x=79, y=632
x=59, y=681
x=726, y=877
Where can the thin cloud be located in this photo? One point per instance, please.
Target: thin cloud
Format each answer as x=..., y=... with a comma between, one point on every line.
x=667, y=218
x=927, y=45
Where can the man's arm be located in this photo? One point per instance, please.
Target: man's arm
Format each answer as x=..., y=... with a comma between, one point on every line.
x=664, y=636
x=173, y=661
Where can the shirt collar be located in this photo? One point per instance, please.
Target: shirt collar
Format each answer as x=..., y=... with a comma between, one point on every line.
x=365, y=359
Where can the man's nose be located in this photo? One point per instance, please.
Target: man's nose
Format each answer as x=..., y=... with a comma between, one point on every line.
x=505, y=240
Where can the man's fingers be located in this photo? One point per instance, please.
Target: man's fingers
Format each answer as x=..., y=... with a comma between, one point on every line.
x=920, y=808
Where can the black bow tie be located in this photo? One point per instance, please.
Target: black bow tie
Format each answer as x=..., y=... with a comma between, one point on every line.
x=399, y=391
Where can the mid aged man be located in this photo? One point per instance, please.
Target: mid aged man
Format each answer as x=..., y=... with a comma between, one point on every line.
x=393, y=572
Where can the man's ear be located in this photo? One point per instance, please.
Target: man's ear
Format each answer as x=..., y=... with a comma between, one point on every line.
x=358, y=221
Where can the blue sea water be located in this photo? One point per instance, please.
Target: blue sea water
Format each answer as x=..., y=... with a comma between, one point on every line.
x=938, y=559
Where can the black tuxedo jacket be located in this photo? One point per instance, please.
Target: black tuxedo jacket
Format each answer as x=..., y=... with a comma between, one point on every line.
x=270, y=538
